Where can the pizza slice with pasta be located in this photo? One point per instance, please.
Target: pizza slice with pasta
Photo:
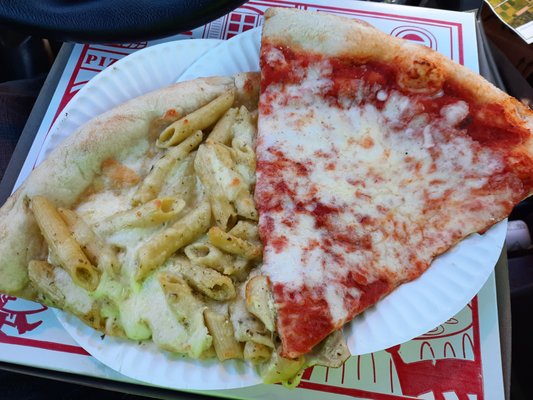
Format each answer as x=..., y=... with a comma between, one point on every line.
x=374, y=156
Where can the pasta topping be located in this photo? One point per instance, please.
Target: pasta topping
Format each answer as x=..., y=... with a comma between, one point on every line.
x=166, y=249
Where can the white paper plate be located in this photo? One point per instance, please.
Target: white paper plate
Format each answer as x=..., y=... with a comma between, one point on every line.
x=239, y=54
x=410, y=311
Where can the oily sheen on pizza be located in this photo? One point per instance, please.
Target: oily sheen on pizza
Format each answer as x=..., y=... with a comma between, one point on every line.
x=251, y=217
x=374, y=156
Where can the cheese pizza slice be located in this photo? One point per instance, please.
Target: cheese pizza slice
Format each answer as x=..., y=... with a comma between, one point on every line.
x=374, y=156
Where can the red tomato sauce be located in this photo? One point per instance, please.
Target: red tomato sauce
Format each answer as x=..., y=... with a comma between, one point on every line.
x=486, y=123
x=370, y=294
x=303, y=319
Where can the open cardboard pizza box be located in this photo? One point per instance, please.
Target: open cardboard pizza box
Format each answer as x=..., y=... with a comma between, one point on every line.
x=471, y=336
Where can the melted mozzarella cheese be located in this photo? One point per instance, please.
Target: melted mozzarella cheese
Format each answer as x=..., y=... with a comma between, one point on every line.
x=455, y=112
x=143, y=311
x=101, y=205
x=146, y=314
x=76, y=298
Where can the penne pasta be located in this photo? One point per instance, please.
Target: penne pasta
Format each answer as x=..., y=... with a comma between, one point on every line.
x=182, y=182
x=246, y=326
x=224, y=213
x=200, y=119
x=259, y=301
x=233, y=244
x=256, y=353
x=41, y=274
x=245, y=230
x=154, y=181
x=205, y=165
x=242, y=268
x=155, y=212
x=66, y=250
x=228, y=191
x=95, y=248
x=243, y=144
x=244, y=132
x=61, y=291
x=282, y=370
x=159, y=248
x=160, y=123
x=245, y=205
x=222, y=132
x=221, y=329
x=188, y=310
x=208, y=353
x=204, y=253
x=331, y=352
x=206, y=280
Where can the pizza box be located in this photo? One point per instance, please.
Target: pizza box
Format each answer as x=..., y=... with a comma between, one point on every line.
x=466, y=348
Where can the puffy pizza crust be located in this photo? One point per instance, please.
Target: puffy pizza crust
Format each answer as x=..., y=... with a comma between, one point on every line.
x=418, y=65
x=71, y=168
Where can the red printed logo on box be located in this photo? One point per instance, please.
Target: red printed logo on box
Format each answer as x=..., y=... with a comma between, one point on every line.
x=443, y=363
x=12, y=316
x=416, y=34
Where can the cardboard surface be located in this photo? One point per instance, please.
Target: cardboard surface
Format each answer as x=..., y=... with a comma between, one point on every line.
x=458, y=359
